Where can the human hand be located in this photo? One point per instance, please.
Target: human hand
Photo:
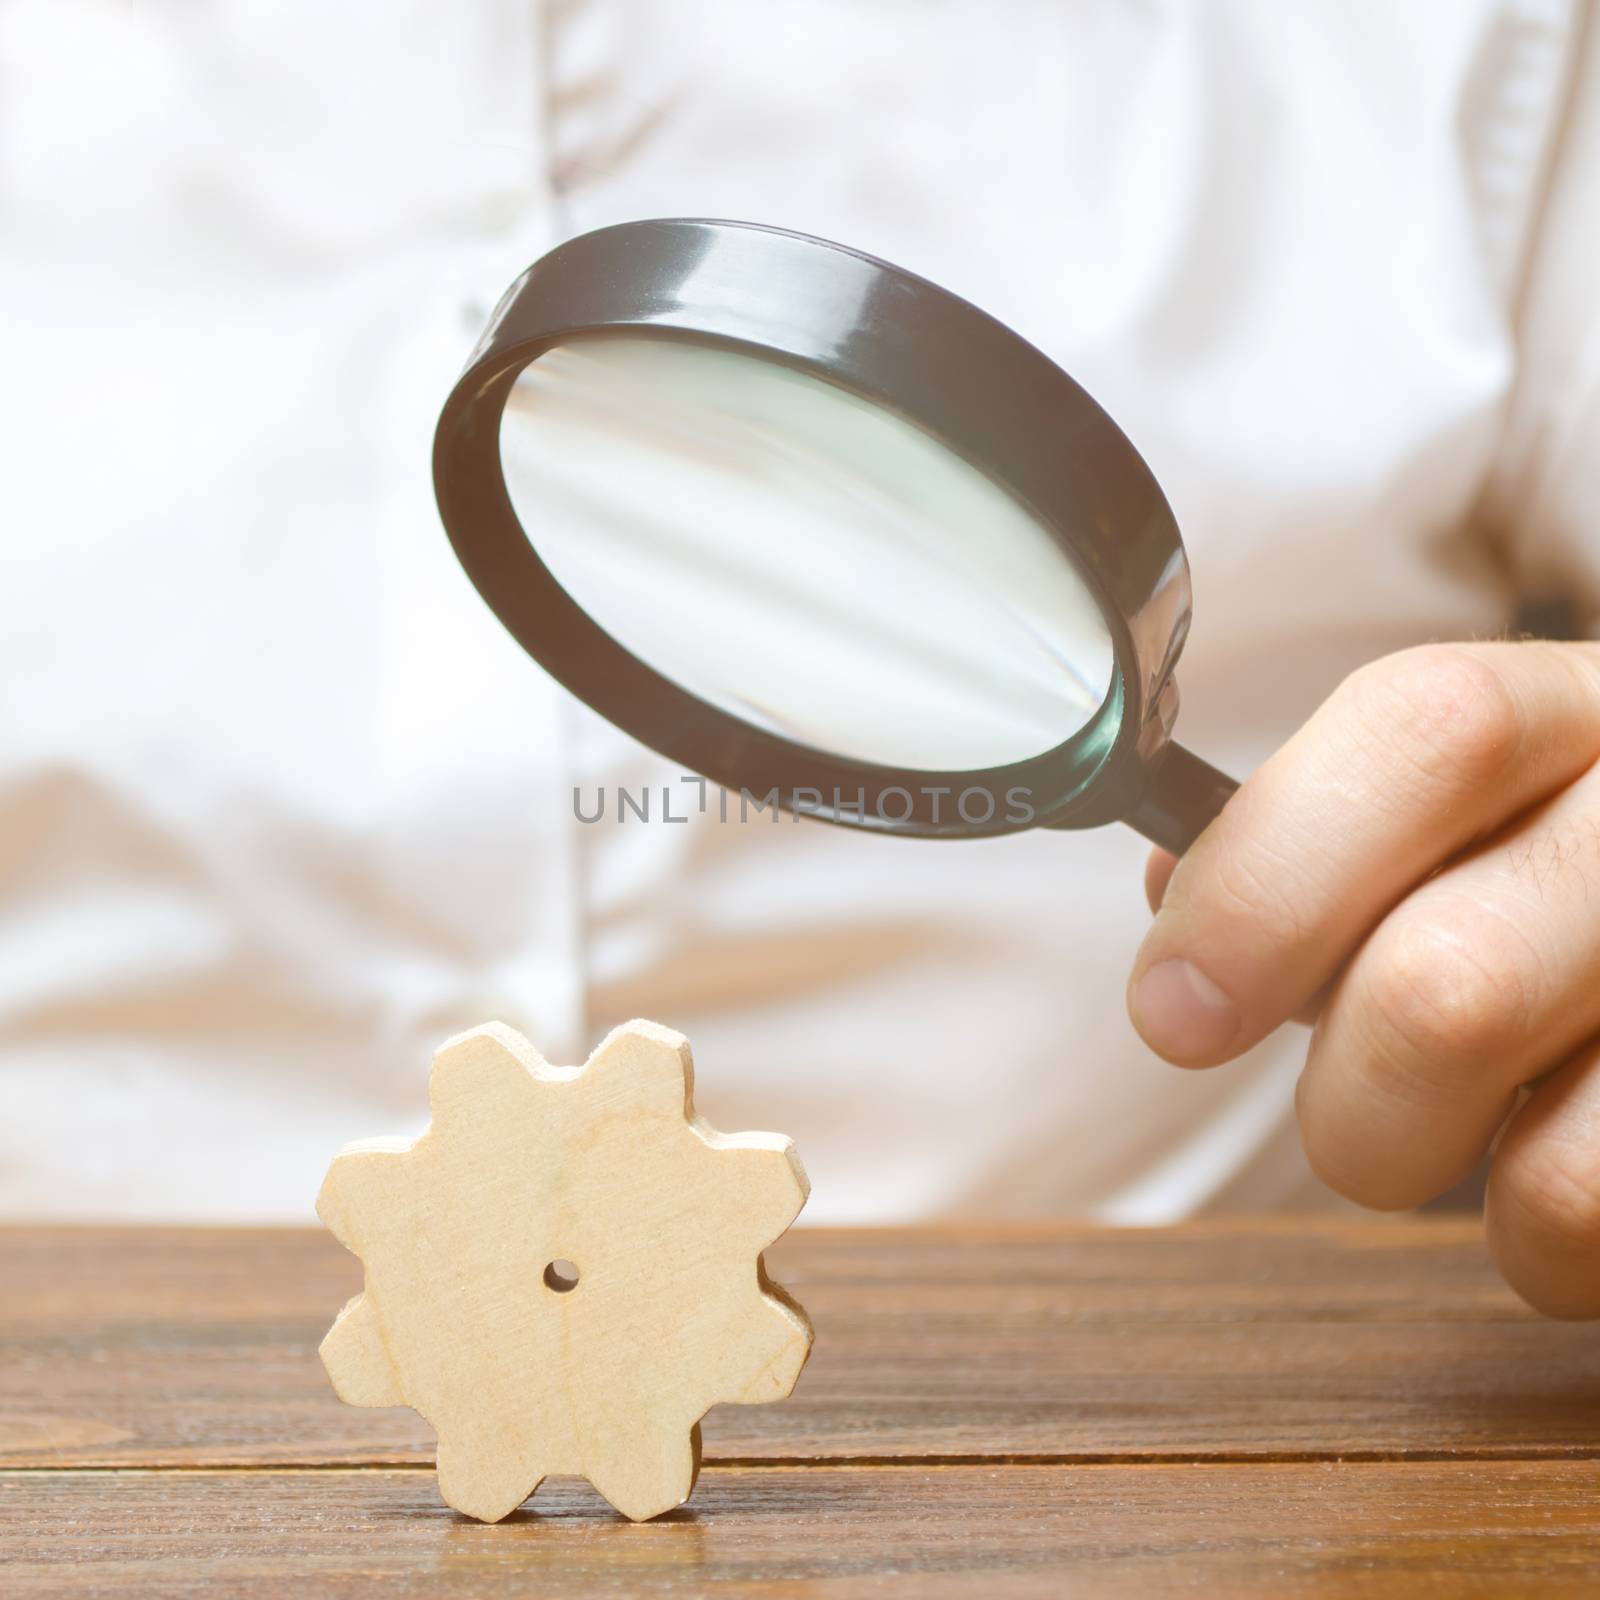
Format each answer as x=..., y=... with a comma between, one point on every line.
x=1417, y=871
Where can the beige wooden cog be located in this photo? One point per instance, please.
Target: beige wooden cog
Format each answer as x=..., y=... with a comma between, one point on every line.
x=468, y=1314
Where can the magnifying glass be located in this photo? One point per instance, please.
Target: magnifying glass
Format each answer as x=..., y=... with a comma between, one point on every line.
x=825, y=534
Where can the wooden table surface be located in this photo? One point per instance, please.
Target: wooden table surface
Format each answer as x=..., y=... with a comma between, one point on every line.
x=1265, y=1408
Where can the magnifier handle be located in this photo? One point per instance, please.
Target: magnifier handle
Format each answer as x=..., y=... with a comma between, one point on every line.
x=1182, y=794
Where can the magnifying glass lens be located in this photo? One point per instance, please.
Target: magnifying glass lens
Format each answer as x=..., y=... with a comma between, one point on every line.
x=798, y=557
x=819, y=530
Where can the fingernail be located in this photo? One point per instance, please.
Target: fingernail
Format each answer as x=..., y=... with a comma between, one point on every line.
x=1181, y=1013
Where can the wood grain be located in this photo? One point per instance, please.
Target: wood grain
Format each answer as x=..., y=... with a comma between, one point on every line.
x=1258, y=1340
x=1251, y=1409
x=1394, y=1530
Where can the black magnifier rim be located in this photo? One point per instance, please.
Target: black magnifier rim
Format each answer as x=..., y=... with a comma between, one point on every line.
x=902, y=343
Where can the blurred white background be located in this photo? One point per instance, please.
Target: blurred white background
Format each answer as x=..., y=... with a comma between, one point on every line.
x=280, y=805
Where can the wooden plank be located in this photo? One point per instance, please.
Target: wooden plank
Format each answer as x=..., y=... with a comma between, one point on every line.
x=1238, y=1340
x=1393, y=1530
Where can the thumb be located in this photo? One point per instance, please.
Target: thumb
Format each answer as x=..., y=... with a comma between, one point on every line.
x=1158, y=872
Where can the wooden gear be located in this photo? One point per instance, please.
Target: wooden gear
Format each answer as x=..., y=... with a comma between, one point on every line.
x=563, y=1273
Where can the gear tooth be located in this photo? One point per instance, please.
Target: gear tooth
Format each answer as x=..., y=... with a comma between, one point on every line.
x=356, y=1178
x=776, y=1344
x=331, y=1206
x=644, y=1064
x=356, y=1359
x=470, y=1485
x=482, y=1067
x=766, y=1184
x=644, y=1477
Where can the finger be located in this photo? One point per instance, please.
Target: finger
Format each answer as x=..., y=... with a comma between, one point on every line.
x=1158, y=872
x=1543, y=1204
x=1157, y=875
x=1410, y=761
x=1484, y=979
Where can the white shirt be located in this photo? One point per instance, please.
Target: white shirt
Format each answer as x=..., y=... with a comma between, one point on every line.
x=281, y=806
